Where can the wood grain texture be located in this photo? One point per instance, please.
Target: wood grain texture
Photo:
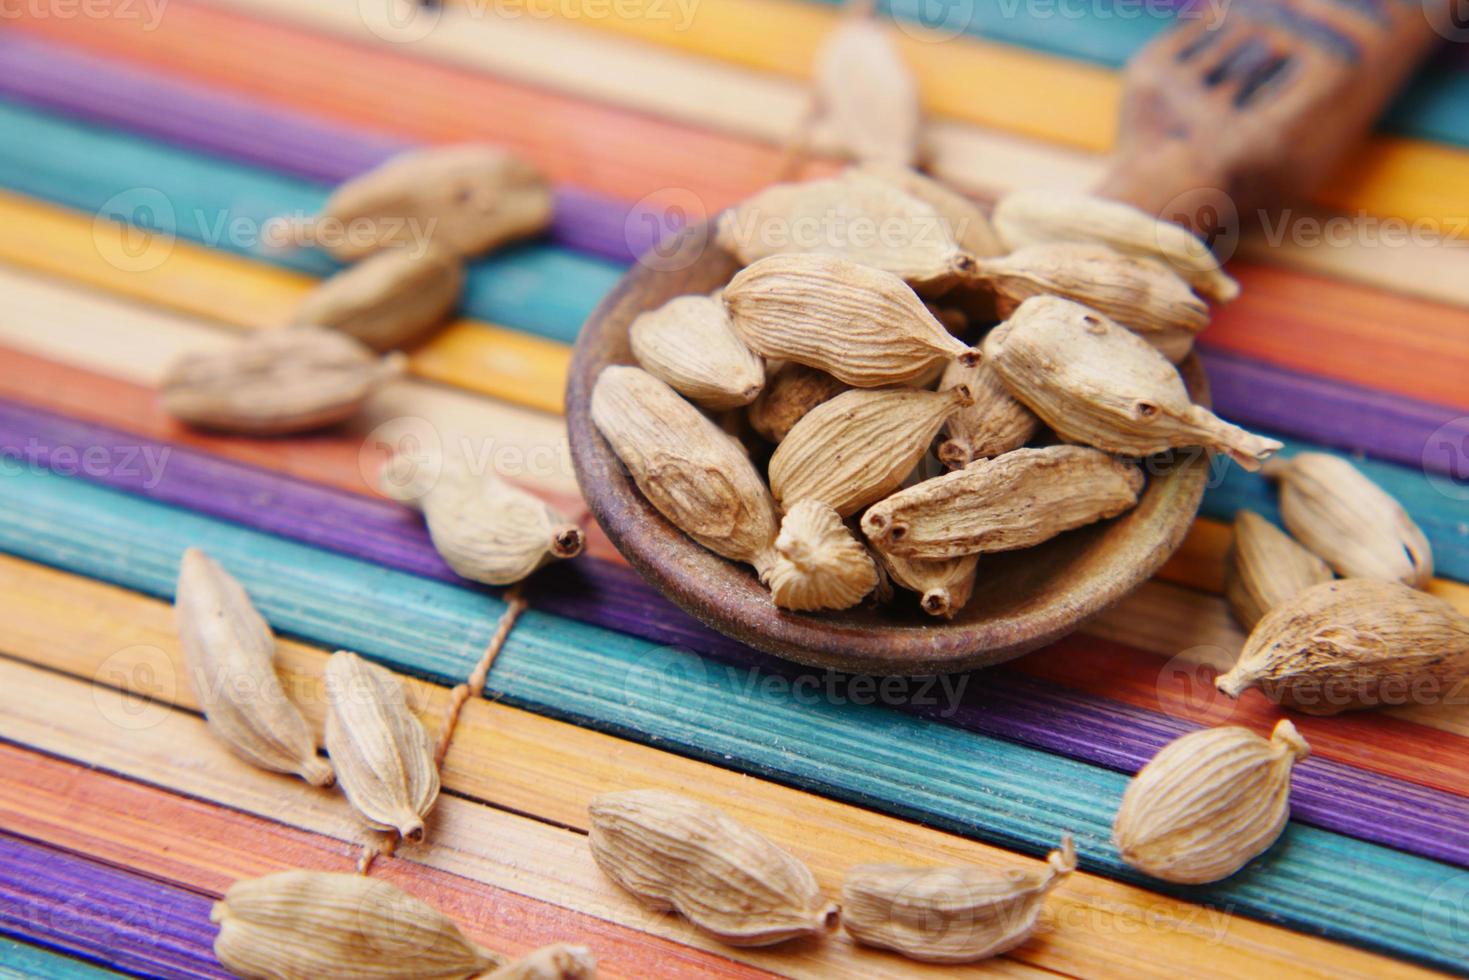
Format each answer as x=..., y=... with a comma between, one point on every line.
x=953, y=779
x=21, y=961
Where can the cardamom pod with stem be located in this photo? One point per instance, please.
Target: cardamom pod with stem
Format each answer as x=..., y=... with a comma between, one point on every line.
x=1139, y=294
x=1208, y=803
x=1355, y=643
x=821, y=564
x=673, y=852
x=996, y=423
x=1012, y=501
x=863, y=326
x=467, y=199
x=690, y=470
x=315, y=925
x=1101, y=385
x=866, y=93
x=1357, y=527
x=276, y=382
x=949, y=915
x=854, y=217
x=1035, y=217
x=561, y=961
x=229, y=652
x=383, y=755
x=1265, y=567
x=388, y=301
x=689, y=344
x=944, y=585
x=966, y=223
x=858, y=447
x=485, y=529
x=790, y=392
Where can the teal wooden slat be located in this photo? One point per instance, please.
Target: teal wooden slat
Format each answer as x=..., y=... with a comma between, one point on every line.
x=19, y=961
x=966, y=782
x=215, y=202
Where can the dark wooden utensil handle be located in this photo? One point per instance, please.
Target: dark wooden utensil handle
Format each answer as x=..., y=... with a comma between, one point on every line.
x=1263, y=105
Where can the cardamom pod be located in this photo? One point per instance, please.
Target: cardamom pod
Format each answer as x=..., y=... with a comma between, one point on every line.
x=383, y=755
x=859, y=447
x=485, y=529
x=996, y=423
x=388, y=301
x=865, y=91
x=276, y=382
x=966, y=223
x=1012, y=501
x=1354, y=643
x=673, y=852
x=1208, y=803
x=1143, y=296
x=949, y=915
x=1101, y=385
x=790, y=392
x=315, y=925
x=1034, y=217
x=1357, y=527
x=854, y=217
x=858, y=324
x=229, y=652
x=689, y=344
x=468, y=199
x=687, y=467
x=821, y=565
x=944, y=586
x=1265, y=567
x=559, y=962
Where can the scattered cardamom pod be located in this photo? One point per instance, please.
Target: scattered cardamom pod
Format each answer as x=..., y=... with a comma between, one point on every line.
x=949, y=915
x=821, y=564
x=996, y=423
x=388, y=301
x=1101, y=385
x=468, y=199
x=731, y=882
x=1012, y=501
x=1265, y=567
x=485, y=529
x=1357, y=527
x=1034, y=217
x=865, y=91
x=559, y=962
x=858, y=447
x=966, y=223
x=790, y=392
x=689, y=344
x=230, y=651
x=1354, y=643
x=858, y=324
x=1141, y=295
x=315, y=925
x=854, y=217
x=944, y=586
x=687, y=467
x=383, y=755
x=276, y=382
x=1208, y=803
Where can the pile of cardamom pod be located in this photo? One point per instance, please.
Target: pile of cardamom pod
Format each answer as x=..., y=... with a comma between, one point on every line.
x=907, y=433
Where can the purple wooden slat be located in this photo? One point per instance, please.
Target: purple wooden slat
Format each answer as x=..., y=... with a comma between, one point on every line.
x=124, y=920
x=1003, y=703
x=58, y=78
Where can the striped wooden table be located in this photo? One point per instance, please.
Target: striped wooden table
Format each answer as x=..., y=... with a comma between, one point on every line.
x=141, y=149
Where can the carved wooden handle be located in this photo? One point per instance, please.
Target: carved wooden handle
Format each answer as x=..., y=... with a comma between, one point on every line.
x=1261, y=106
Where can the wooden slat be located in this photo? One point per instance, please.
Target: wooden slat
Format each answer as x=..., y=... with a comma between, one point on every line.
x=20, y=961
